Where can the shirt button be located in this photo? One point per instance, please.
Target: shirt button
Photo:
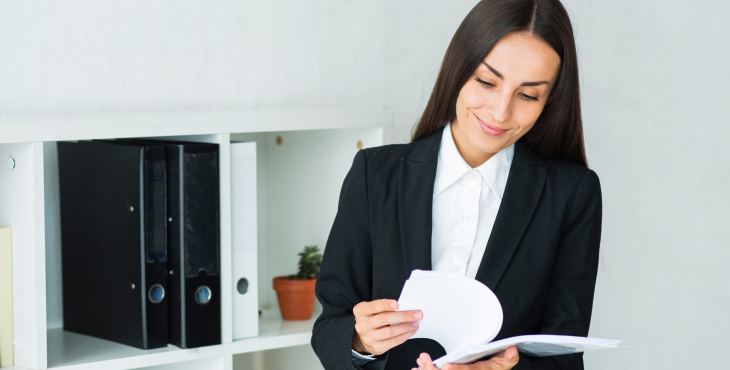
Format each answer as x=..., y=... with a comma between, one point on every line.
x=456, y=269
x=467, y=219
x=475, y=176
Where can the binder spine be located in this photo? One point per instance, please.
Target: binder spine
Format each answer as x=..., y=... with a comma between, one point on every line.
x=175, y=241
x=193, y=245
x=202, y=244
x=154, y=259
x=106, y=214
x=244, y=260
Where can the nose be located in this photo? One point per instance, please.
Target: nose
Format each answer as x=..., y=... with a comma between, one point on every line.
x=501, y=107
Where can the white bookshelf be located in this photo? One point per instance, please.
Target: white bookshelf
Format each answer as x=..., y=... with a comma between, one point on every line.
x=26, y=128
x=298, y=183
x=71, y=351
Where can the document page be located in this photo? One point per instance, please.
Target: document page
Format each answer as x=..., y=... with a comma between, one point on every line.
x=531, y=345
x=464, y=315
x=457, y=311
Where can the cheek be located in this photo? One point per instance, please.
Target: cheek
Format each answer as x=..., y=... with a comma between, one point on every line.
x=469, y=98
x=527, y=116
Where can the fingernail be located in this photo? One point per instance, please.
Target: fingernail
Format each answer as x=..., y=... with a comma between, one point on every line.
x=393, y=305
x=419, y=362
x=415, y=323
x=418, y=314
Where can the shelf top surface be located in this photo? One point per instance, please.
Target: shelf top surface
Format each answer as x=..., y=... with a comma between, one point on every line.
x=71, y=351
x=23, y=128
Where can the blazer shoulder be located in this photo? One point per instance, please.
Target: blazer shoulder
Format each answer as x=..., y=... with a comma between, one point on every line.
x=569, y=177
x=569, y=170
x=419, y=150
x=386, y=158
x=564, y=174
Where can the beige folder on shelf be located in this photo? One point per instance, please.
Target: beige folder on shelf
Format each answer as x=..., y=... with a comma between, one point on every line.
x=6, y=298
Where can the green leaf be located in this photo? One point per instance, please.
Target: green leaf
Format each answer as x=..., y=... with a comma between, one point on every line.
x=310, y=261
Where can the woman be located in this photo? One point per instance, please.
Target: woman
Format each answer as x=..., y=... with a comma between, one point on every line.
x=494, y=186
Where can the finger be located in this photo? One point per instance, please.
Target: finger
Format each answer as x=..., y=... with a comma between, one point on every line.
x=459, y=367
x=388, y=332
x=511, y=356
x=424, y=361
x=508, y=355
x=385, y=345
x=501, y=353
x=506, y=359
x=375, y=307
x=388, y=318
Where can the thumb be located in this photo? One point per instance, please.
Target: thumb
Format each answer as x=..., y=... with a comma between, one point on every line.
x=457, y=367
x=508, y=358
x=511, y=354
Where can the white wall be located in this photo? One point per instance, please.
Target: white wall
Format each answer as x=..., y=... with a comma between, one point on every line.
x=654, y=76
x=110, y=54
x=418, y=34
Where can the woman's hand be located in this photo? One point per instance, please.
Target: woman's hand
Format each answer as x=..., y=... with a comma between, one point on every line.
x=373, y=331
x=504, y=360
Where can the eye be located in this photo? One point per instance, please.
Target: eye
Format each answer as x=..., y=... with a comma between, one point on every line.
x=523, y=96
x=484, y=83
x=528, y=97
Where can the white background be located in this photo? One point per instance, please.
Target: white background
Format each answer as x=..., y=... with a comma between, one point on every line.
x=654, y=78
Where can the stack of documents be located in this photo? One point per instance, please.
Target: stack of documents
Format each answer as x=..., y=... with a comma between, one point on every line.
x=467, y=316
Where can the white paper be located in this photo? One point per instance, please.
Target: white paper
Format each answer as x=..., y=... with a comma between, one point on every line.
x=457, y=311
x=464, y=315
x=533, y=345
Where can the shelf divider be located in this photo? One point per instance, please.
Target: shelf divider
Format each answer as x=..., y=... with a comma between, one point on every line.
x=22, y=209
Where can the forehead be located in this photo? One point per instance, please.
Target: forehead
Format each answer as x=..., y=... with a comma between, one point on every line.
x=523, y=57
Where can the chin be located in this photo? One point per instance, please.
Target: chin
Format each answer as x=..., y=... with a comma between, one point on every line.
x=486, y=143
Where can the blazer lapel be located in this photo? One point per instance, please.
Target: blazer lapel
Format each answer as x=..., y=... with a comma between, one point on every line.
x=524, y=186
x=415, y=200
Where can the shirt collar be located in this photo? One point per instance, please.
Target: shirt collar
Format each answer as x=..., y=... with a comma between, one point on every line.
x=451, y=166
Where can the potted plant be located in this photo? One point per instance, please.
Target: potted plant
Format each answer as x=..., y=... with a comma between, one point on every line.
x=296, y=292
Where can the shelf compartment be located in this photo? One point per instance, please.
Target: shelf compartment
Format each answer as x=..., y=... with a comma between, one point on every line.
x=71, y=351
x=301, y=173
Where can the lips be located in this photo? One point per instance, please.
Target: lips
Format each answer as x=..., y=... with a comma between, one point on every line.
x=490, y=129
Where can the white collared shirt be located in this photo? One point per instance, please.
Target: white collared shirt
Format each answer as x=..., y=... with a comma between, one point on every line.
x=465, y=205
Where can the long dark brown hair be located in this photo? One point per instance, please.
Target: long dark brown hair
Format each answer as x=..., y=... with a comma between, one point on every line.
x=558, y=132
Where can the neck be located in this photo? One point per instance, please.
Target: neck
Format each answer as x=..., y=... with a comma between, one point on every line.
x=471, y=155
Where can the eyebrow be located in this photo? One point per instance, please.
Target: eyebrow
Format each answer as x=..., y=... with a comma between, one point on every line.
x=536, y=83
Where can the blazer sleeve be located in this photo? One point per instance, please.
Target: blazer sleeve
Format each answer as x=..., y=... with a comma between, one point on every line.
x=345, y=278
x=570, y=299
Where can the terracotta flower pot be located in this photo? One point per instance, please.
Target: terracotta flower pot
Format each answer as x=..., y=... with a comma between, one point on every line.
x=296, y=297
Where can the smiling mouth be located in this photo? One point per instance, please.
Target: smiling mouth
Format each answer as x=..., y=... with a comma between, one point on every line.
x=491, y=130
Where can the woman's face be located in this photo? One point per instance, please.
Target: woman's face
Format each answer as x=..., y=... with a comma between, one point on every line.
x=504, y=97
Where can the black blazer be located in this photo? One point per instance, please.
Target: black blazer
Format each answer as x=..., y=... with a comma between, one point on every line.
x=541, y=259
